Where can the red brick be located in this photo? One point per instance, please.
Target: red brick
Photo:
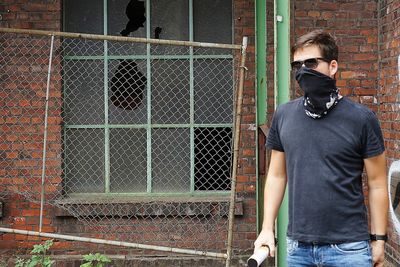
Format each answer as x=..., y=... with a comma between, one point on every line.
x=300, y=13
x=31, y=212
x=364, y=56
x=327, y=6
x=314, y=14
x=363, y=91
x=35, y=7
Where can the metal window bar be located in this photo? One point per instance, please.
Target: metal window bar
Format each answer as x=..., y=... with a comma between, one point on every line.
x=22, y=52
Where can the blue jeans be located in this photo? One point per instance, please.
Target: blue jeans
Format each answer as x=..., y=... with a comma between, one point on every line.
x=354, y=254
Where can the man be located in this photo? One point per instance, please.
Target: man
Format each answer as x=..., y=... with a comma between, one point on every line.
x=320, y=144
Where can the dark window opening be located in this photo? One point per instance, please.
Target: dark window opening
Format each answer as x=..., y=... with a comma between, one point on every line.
x=135, y=11
x=212, y=158
x=127, y=85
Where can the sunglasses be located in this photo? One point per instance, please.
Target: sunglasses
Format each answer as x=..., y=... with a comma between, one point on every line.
x=310, y=63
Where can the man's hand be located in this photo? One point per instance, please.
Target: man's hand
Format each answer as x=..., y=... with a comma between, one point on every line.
x=266, y=238
x=378, y=253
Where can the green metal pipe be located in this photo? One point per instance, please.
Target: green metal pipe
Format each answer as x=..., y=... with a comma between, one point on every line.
x=261, y=95
x=282, y=85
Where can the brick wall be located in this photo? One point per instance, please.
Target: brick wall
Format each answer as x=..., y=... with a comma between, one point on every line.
x=21, y=214
x=21, y=141
x=354, y=24
x=389, y=99
x=245, y=232
x=39, y=15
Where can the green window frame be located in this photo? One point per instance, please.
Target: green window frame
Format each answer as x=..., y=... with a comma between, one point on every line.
x=149, y=126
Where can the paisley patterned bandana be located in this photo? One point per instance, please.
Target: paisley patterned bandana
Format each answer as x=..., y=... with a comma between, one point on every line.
x=320, y=92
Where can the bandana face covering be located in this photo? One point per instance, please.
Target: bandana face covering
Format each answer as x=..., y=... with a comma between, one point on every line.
x=320, y=92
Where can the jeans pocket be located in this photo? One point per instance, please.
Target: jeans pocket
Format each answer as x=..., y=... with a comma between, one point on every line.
x=352, y=247
x=292, y=245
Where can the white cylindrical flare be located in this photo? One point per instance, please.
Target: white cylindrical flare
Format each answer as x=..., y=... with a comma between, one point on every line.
x=258, y=257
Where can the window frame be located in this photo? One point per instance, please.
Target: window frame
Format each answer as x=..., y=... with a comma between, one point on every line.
x=149, y=126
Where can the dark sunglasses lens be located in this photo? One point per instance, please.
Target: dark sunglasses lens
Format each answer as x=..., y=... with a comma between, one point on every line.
x=296, y=65
x=311, y=63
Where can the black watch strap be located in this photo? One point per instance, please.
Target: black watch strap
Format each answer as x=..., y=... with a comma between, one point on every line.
x=378, y=237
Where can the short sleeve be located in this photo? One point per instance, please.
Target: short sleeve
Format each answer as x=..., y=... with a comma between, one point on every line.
x=372, y=139
x=274, y=140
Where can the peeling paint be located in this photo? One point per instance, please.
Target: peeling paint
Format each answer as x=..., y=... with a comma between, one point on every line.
x=398, y=66
x=252, y=127
x=394, y=168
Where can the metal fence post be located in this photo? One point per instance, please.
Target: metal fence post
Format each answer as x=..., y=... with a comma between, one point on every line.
x=45, y=135
x=238, y=116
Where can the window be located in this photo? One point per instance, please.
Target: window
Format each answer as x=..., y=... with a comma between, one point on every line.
x=147, y=119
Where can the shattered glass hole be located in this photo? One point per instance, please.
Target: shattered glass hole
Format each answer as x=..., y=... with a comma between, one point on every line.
x=127, y=85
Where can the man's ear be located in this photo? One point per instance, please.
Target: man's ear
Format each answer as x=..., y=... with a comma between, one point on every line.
x=333, y=68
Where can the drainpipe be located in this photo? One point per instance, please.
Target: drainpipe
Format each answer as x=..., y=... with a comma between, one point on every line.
x=261, y=99
x=282, y=85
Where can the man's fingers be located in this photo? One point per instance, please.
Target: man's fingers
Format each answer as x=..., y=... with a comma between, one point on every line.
x=272, y=251
x=271, y=248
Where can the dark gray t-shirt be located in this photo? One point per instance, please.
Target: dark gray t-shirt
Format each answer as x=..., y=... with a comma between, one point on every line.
x=324, y=164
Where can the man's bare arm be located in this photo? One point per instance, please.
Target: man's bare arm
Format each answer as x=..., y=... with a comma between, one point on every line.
x=378, y=203
x=274, y=188
x=273, y=195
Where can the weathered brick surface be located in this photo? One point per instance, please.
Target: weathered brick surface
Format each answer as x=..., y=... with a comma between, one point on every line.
x=245, y=226
x=389, y=99
x=354, y=24
x=39, y=15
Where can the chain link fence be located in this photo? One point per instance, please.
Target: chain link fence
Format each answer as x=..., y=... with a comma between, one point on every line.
x=134, y=139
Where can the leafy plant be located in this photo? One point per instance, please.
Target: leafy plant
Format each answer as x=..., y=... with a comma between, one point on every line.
x=95, y=260
x=38, y=257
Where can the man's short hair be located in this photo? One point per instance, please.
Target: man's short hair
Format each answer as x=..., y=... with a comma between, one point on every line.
x=325, y=41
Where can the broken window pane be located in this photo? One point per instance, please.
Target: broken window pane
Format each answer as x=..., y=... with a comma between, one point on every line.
x=127, y=87
x=117, y=22
x=172, y=19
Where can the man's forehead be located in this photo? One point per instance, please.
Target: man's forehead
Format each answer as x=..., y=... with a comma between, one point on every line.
x=308, y=51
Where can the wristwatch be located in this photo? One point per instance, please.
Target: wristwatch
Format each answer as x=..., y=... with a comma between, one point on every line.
x=374, y=237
